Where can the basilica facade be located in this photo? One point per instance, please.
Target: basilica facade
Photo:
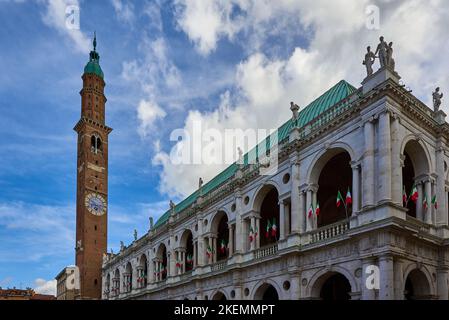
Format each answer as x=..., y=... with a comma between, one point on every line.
x=357, y=209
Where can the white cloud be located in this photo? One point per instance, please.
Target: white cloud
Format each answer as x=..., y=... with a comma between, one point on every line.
x=124, y=10
x=337, y=39
x=147, y=113
x=43, y=286
x=41, y=231
x=55, y=17
x=205, y=21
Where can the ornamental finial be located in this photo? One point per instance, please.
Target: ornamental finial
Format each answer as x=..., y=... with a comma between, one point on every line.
x=95, y=40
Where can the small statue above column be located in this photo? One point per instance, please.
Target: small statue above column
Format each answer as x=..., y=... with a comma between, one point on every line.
x=295, y=110
x=135, y=234
x=369, y=61
x=436, y=97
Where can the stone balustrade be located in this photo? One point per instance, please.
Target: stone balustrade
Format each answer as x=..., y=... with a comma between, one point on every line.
x=266, y=251
x=329, y=231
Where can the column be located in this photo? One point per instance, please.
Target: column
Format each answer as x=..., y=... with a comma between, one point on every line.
x=384, y=176
x=195, y=254
x=295, y=206
x=368, y=165
x=231, y=240
x=281, y=220
x=398, y=279
x=419, y=207
x=442, y=286
x=355, y=187
x=309, y=221
x=396, y=168
x=257, y=222
x=441, y=212
x=368, y=292
x=240, y=236
x=428, y=212
x=295, y=287
x=150, y=274
x=253, y=226
x=386, y=290
x=302, y=211
x=214, y=249
x=287, y=219
x=314, y=203
x=201, y=251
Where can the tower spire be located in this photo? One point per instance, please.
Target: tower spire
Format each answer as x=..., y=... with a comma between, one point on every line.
x=95, y=41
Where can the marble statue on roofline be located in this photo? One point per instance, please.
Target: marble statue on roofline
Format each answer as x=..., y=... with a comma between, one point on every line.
x=368, y=62
x=295, y=110
x=135, y=234
x=384, y=52
x=436, y=97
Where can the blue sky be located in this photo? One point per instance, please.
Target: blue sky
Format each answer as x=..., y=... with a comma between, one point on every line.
x=166, y=63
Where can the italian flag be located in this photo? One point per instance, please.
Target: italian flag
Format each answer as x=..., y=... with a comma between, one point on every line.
x=317, y=209
x=222, y=246
x=310, y=212
x=251, y=234
x=434, y=201
x=273, y=228
x=404, y=196
x=209, y=251
x=348, y=197
x=189, y=259
x=267, y=231
x=339, y=199
x=425, y=203
x=163, y=270
x=178, y=264
x=414, y=194
x=255, y=234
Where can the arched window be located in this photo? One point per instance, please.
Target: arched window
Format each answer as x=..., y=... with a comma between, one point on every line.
x=96, y=144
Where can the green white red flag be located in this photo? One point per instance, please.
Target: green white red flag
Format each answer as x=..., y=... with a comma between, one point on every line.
x=414, y=194
x=425, y=203
x=273, y=228
x=251, y=234
x=339, y=199
x=404, y=196
x=222, y=246
x=267, y=230
x=310, y=212
x=348, y=198
x=317, y=209
x=434, y=201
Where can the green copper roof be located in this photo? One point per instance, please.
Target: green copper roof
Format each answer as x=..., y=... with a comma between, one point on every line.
x=93, y=66
x=331, y=97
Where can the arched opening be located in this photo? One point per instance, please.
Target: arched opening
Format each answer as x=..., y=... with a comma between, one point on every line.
x=142, y=271
x=116, y=283
x=95, y=143
x=416, y=286
x=415, y=165
x=336, y=176
x=336, y=287
x=107, y=289
x=408, y=178
x=219, y=296
x=266, y=292
x=220, y=226
x=128, y=277
x=269, y=216
x=161, y=264
x=187, y=243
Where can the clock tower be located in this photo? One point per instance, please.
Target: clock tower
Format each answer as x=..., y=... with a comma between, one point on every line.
x=92, y=179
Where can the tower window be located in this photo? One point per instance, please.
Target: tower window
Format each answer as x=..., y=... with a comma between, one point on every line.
x=96, y=145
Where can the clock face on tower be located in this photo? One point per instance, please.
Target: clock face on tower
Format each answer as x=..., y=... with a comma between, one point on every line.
x=96, y=204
